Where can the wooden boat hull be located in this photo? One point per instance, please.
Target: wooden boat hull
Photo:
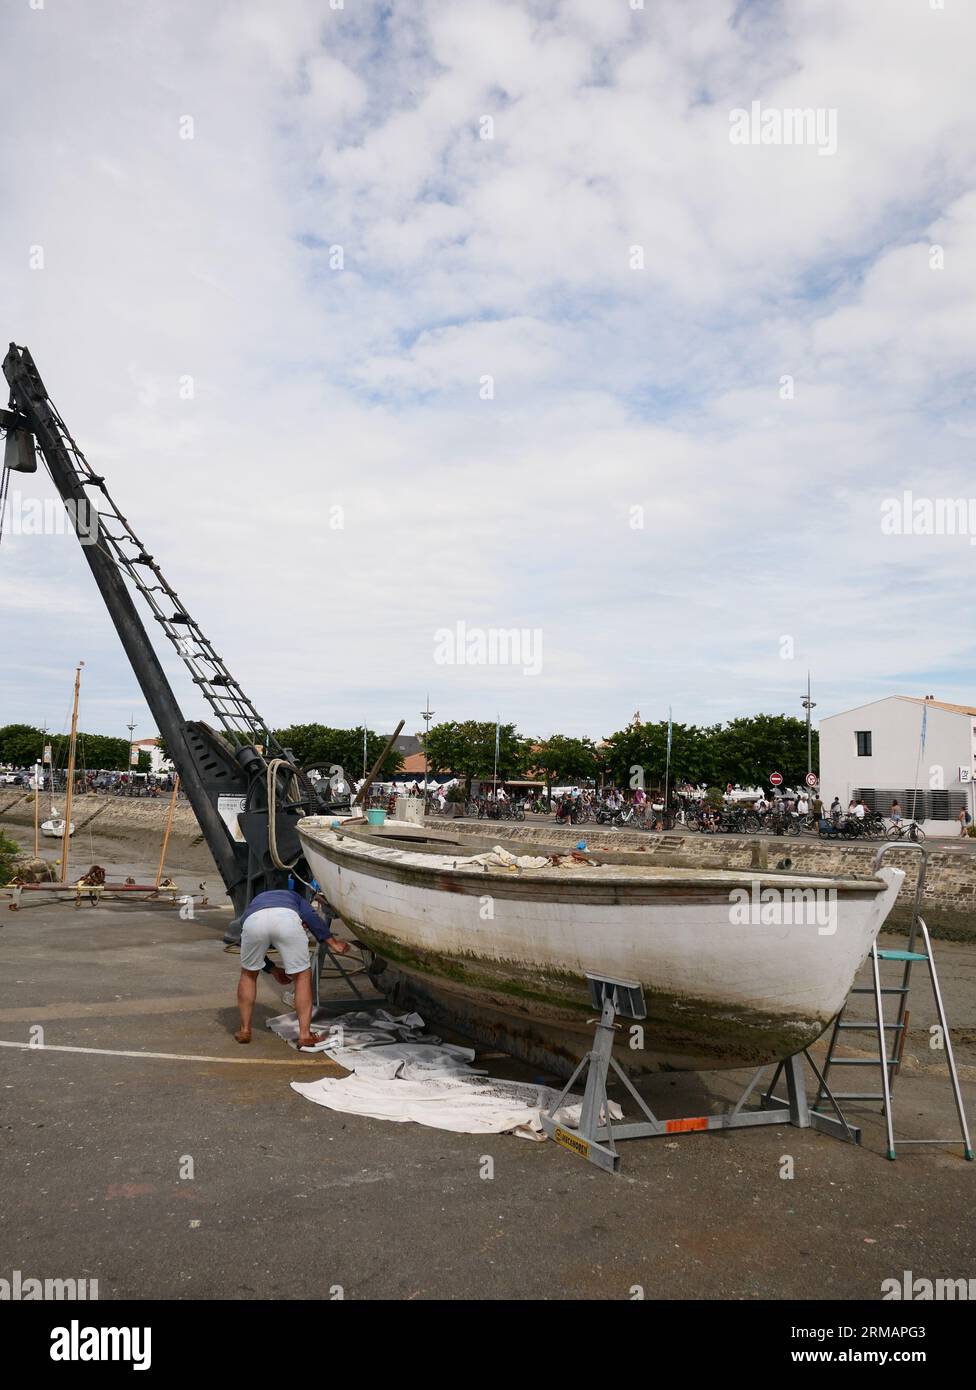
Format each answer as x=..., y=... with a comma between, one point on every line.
x=504, y=954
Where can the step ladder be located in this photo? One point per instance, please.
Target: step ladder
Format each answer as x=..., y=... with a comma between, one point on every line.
x=888, y=1063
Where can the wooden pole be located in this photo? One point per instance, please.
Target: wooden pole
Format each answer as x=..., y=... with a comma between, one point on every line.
x=37, y=810
x=362, y=794
x=66, y=837
x=169, y=827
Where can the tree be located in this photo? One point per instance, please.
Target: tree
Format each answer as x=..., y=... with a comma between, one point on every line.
x=750, y=749
x=102, y=751
x=468, y=750
x=638, y=755
x=563, y=759
x=317, y=743
x=745, y=751
x=21, y=744
x=8, y=853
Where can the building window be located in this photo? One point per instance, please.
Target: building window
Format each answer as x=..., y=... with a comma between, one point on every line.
x=863, y=743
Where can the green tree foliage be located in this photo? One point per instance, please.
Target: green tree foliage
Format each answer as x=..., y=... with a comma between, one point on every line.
x=753, y=748
x=101, y=751
x=637, y=755
x=8, y=853
x=745, y=751
x=22, y=745
x=316, y=743
x=468, y=749
x=562, y=760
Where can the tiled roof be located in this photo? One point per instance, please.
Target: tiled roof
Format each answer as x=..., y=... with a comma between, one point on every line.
x=940, y=704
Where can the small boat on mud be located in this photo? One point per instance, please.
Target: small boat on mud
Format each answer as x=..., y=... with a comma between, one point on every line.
x=54, y=829
x=738, y=967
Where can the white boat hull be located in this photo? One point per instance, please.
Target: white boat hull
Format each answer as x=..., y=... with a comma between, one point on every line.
x=54, y=829
x=507, y=953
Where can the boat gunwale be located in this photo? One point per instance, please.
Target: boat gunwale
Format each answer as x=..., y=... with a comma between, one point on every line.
x=366, y=838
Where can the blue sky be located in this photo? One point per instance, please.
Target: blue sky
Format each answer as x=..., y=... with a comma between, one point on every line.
x=615, y=387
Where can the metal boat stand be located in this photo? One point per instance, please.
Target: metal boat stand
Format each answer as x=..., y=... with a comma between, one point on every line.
x=597, y=1136
x=355, y=999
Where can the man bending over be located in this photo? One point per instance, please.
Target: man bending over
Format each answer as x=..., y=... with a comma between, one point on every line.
x=278, y=919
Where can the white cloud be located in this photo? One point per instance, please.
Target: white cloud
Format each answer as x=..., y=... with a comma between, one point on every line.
x=463, y=257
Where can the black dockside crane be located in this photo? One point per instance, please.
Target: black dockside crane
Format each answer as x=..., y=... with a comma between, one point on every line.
x=236, y=775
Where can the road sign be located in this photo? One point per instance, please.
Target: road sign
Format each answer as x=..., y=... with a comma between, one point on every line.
x=811, y=779
x=776, y=779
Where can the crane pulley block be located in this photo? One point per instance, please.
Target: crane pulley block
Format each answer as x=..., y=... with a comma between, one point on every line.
x=19, y=453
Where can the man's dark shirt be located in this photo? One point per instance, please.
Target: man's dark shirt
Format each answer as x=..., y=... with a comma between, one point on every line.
x=284, y=897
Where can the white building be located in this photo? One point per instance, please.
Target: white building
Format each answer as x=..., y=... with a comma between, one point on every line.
x=877, y=751
x=157, y=763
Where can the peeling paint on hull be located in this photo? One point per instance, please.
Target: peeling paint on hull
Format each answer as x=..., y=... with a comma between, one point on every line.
x=717, y=995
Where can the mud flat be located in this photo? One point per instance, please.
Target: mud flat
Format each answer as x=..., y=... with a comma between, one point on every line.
x=117, y=829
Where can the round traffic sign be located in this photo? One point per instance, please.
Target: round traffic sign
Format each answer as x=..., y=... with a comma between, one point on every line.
x=776, y=778
x=811, y=779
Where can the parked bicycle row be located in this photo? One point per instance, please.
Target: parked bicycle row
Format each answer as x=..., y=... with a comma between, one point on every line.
x=786, y=816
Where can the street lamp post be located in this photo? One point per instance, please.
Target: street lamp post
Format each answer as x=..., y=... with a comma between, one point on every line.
x=131, y=726
x=809, y=705
x=426, y=715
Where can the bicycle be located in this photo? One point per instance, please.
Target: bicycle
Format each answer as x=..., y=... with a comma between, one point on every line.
x=905, y=830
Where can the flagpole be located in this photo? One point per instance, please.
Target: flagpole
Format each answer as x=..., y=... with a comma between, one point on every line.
x=918, y=760
x=494, y=775
x=69, y=789
x=667, y=773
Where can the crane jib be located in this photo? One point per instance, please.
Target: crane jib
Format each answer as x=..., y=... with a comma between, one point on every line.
x=215, y=765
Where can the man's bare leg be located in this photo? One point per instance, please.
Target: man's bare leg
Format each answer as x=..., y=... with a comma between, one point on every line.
x=303, y=1008
x=247, y=989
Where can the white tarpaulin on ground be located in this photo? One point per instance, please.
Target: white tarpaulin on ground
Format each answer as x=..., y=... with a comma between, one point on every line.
x=401, y=1073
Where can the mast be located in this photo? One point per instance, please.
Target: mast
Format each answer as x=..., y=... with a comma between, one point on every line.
x=66, y=836
x=169, y=828
x=37, y=809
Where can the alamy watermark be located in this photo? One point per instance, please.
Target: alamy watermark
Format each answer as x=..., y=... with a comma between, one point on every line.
x=21, y=1288
x=784, y=907
x=928, y=1290
x=45, y=516
x=909, y=515
x=489, y=646
x=78, y=1343
x=790, y=125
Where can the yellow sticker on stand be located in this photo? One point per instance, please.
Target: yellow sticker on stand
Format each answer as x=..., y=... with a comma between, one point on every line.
x=572, y=1142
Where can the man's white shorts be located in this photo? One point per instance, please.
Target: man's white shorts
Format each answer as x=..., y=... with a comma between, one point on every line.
x=281, y=928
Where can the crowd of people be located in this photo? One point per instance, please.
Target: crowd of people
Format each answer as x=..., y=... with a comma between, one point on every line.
x=686, y=805
x=146, y=784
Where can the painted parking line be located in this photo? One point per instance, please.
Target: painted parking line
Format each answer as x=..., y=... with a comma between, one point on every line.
x=172, y=1056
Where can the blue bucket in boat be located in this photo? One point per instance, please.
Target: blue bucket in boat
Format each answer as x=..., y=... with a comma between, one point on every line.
x=376, y=817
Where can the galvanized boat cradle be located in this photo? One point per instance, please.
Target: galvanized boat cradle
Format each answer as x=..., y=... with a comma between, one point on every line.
x=597, y=1136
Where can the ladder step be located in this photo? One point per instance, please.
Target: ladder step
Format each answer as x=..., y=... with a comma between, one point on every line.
x=885, y=989
x=870, y=1027
x=900, y=955
x=860, y=1061
x=857, y=1095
